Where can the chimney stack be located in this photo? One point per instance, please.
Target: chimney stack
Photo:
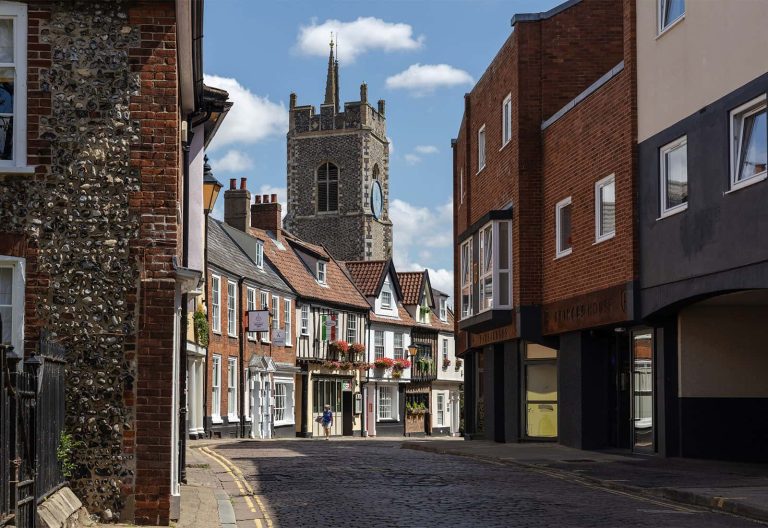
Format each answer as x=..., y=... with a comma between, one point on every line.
x=267, y=214
x=237, y=210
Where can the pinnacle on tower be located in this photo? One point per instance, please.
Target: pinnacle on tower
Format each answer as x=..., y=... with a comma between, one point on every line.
x=332, y=81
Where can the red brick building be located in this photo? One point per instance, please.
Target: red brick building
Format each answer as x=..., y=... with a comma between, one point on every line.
x=543, y=205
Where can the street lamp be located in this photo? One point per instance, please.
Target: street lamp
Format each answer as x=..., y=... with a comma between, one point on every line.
x=211, y=188
x=413, y=350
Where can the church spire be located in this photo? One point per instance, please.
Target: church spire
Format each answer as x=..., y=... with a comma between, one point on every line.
x=332, y=82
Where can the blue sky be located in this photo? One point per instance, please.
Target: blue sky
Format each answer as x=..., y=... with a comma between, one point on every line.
x=421, y=56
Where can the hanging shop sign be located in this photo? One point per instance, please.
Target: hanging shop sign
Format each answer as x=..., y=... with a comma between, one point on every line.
x=258, y=320
x=278, y=337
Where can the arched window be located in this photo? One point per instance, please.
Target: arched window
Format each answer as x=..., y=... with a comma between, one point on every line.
x=376, y=171
x=327, y=188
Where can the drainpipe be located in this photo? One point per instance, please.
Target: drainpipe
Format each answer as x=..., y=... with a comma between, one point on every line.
x=184, y=314
x=241, y=342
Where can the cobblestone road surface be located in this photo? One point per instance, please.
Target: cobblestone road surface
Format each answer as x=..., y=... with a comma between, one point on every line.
x=372, y=483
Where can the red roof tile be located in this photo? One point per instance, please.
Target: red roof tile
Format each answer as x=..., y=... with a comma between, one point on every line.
x=367, y=275
x=411, y=284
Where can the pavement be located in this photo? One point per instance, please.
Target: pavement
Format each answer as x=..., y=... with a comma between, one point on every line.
x=737, y=488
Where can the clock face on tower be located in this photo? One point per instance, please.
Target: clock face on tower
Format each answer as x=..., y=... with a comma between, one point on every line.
x=377, y=200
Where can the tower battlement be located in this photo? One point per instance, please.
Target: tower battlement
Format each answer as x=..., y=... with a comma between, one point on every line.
x=356, y=115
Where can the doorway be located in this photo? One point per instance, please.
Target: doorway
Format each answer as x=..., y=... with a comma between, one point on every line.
x=540, y=392
x=347, y=415
x=642, y=392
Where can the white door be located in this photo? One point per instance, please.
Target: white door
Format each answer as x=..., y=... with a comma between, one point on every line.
x=266, y=410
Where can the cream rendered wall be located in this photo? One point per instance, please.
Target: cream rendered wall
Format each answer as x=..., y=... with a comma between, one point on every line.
x=717, y=47
x=723, y=352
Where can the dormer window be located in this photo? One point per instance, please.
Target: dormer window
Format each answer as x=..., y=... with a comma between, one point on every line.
x=443, y=310
x=386, y=299
x=260, y=254
x=321, y=272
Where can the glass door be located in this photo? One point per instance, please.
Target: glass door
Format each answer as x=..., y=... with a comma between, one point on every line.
x=540, y=392
x=642, y=391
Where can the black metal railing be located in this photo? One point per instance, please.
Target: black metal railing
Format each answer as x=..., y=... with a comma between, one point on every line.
x=50, y=416
x=7, y=509
x=423, y=366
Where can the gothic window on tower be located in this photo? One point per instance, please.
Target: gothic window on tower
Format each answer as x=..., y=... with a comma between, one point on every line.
x=327, y=188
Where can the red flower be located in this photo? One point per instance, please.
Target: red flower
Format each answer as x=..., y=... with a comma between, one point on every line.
x=402, y=364
x=384, y=363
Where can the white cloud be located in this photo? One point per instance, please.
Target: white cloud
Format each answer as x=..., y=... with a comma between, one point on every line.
x=422, y=79
x=391, y=145
x=418, y=232
x=233, y=161
x=426, y=149
x=412, y=159
x=356, y=38
x=252, y=117
x=281, y=192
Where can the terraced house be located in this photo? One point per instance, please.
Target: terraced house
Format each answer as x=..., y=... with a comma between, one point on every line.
x=105, y=119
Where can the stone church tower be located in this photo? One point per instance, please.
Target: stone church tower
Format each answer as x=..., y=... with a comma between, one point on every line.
x=338, y=174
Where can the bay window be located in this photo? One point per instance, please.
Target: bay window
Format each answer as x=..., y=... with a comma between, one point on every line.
x=486, y=268
x=495, y=269
x=466, y=278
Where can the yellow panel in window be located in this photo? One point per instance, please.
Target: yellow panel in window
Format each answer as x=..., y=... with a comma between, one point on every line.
x=542, y=420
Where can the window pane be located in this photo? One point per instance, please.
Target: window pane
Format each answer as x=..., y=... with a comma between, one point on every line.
x=6, y=285
x=488, y=250
x=673, y=9
x=608, y=208
x=541, y=382
x=503, y=245
x=6, y=40
x=565, y=228
x=504, y=288
x=677, y=176
x=7, y=83
x=754, y=145
x=542, y=420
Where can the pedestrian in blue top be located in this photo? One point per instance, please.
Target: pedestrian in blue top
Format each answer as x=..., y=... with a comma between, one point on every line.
x=327, y=421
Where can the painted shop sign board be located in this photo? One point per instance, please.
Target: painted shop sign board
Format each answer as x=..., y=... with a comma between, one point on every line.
x=278, y=337
x=497, y=335
x=258, y=320
x=612, y=305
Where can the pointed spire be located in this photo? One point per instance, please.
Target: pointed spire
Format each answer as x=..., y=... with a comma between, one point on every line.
x=331, y=89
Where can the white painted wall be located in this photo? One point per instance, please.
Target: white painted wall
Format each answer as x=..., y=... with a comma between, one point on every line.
x=449, y=374
x=379, y=308
x=196, y=217
x=389, y=346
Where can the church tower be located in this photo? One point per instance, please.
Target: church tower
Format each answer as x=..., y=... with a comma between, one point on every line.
x=338, y=174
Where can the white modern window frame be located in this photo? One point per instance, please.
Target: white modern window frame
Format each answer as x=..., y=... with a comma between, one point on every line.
x=251, y=304
x=443, y=310
x=466, y=278
x=264, y=300
x=445, y=348
x=321, y=271
x=486, y=267
x=386, y=406
x=481, y=148
x=506, y=121
x=440, y=409
x=260, y=254
x=351, y=328
x=216, y=303
x=287, y=322
x=386, y=299
x=560, y=251
x=17, y=265
x=379, y=351
x=399, y=348
x=17, y=12
x=232, y=390
x=737, y=117
x=461, y=185
x=664, y=175
x=664, y=25
x=304, y=319
x=601, y=236
x=232, y=309
x=287, y=416
x=216, y=389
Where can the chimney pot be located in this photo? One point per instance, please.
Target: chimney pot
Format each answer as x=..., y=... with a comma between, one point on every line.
x=232, y=184
x=265, y=198
x=242, y=184
x=257, y=199
x=273, y=198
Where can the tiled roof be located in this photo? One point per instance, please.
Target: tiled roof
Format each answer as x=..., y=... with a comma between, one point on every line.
x=367, y=275
x=227, y=255
x=338, y=290
x=411, y=284
x=404, y=320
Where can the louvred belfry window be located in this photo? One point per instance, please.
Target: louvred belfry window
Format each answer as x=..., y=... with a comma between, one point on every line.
x=327, y=188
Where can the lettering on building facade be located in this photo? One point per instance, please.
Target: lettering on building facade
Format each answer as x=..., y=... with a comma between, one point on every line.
x=608, y=306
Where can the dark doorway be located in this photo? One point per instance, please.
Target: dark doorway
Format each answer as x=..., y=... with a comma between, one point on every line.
x=619, y=393
x=347, y=413
x=642, y=391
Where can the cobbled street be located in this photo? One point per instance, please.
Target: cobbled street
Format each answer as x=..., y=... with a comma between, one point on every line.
x=375, y=483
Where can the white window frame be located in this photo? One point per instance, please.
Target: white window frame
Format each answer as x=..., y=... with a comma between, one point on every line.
x=386, y=299
x=599, y=236
x=506, y=121
x=754, y=106
x=379, y=344
x=287, y=322
x=483, y=272
x=231, y=309
x=264, y=300
x=481, y=150
x=18, y=13
x=390, y=399
x=443, y=310
x=260, y=254
x=399, y=348
x=251, y=305
x=304, y=319
x=661, y=6
x=232, y=390
x=216, y=389
x=321, y=271
x=560, y=252
x=351, y=328
x=18, y=281
x=275, y=313
x=216, y=303
x=466, y=277
x=288, y=410
x=440, y=408
x=461, y=185
x=445, y=349
x=663, y=172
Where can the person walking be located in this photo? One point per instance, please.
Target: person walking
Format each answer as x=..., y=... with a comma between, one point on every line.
x=327, y=421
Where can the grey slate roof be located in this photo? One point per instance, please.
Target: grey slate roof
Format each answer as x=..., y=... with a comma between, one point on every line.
x=226, y=254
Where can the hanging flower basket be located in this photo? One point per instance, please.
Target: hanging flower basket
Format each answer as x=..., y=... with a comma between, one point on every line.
x=384, y=363
x=333, y=365
x=446, y=363
x=396, y=373
x=459, y=363
x=401, y=364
